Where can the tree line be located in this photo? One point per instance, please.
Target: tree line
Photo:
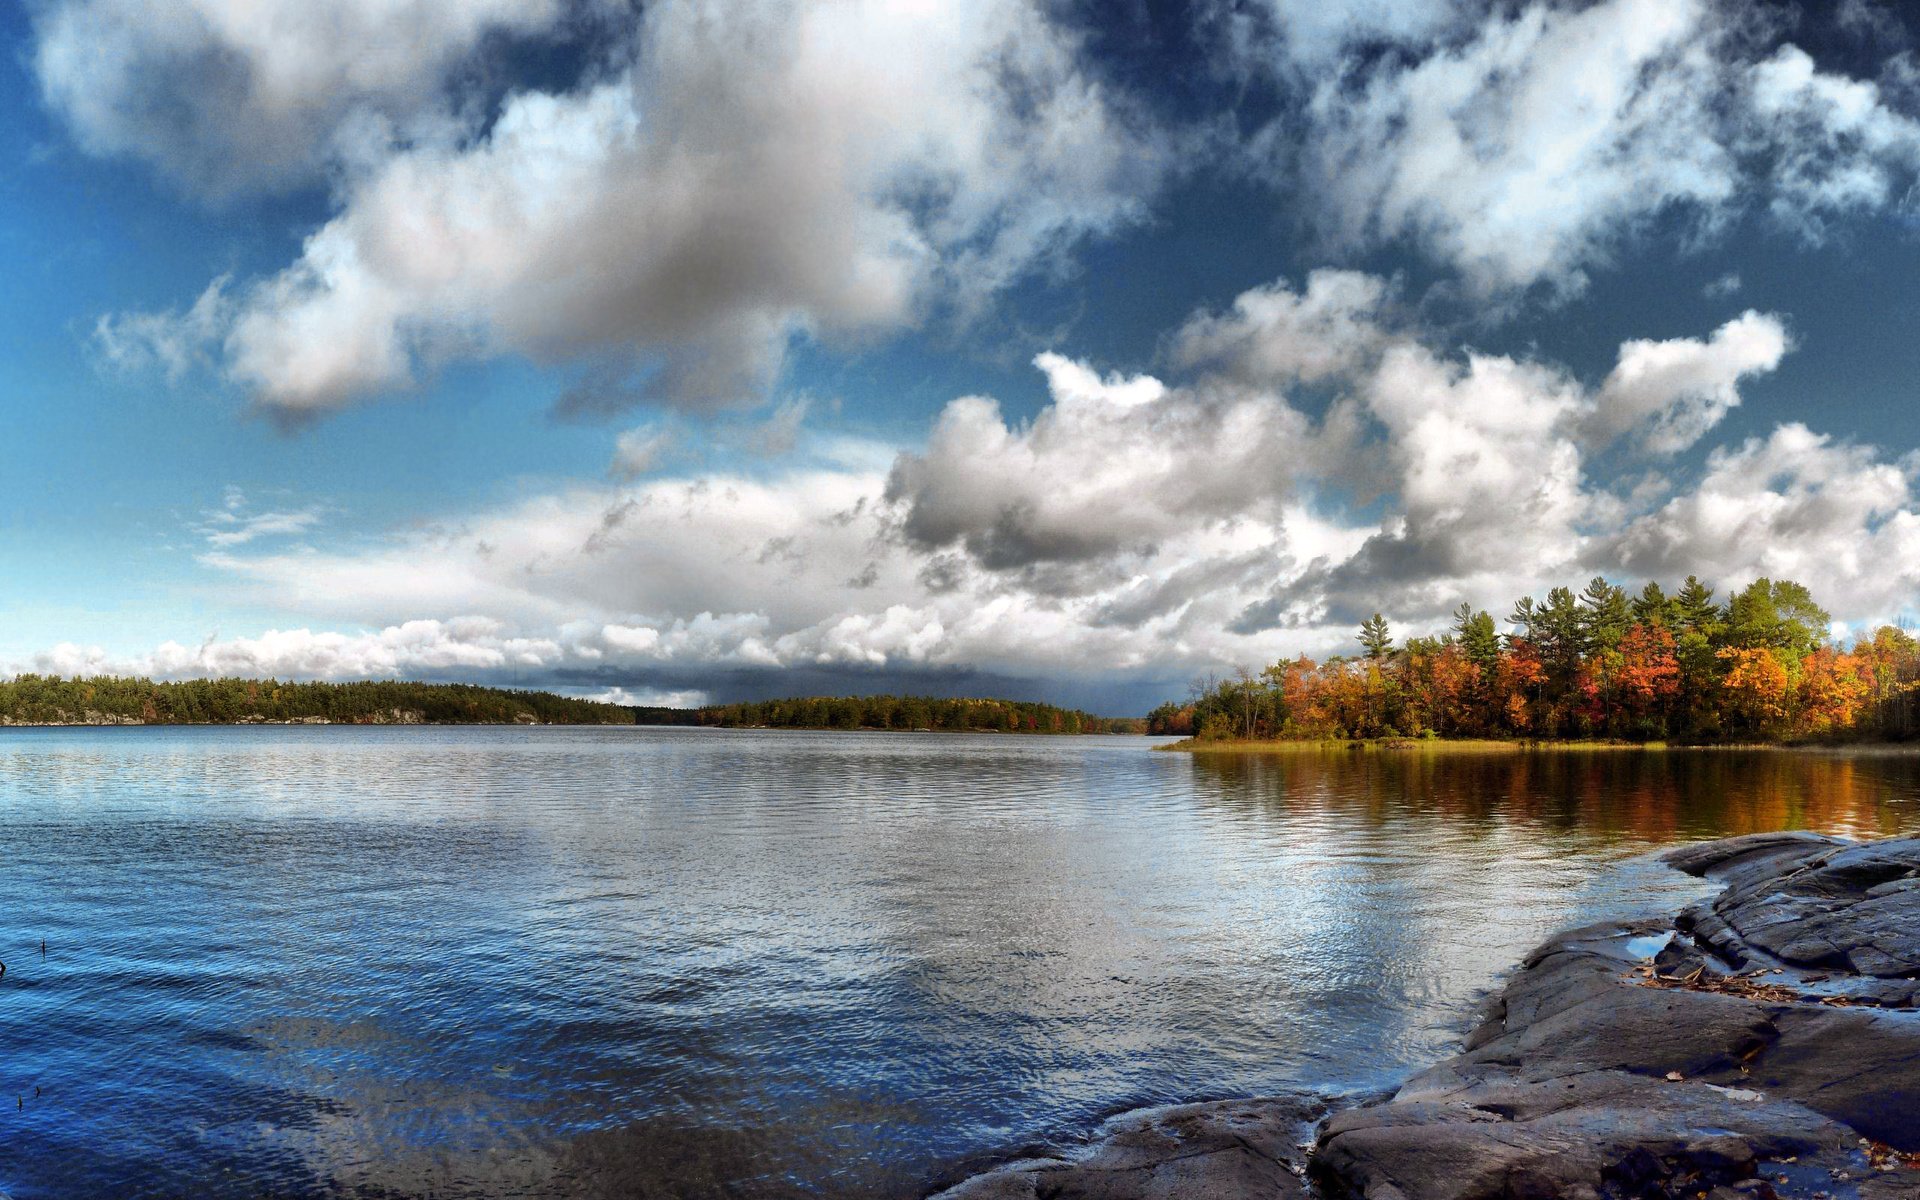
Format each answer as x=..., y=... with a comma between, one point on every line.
x=53, y=700
x=1600, y=663
x=894, y=712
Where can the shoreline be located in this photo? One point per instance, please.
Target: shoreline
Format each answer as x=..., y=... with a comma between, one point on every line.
x=137, y=723
x=1761, y=1044
x=1521, y=746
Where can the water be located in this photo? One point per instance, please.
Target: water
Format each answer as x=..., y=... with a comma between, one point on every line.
x=689, y=963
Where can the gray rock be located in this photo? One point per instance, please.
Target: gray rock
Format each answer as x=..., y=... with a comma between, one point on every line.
x=1850, y=907
x=1589, y=1079
x=1228, y=1150
x=1761, y=851
x=1581, y=1136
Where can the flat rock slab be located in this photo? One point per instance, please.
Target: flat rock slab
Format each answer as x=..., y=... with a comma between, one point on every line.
x=1770, y=1050
x=1228, y=1150
x=1819, y=904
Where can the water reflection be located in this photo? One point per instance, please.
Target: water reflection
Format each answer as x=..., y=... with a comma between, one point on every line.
x=694, y=963
x=1652, y=797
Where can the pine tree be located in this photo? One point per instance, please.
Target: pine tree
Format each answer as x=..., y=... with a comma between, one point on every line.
x=1560, y=629
x=1524, y=614
x=1478, y=639
x=1607, y=615
x=1652, y=607
x=1375, y=638
x=1694, y=606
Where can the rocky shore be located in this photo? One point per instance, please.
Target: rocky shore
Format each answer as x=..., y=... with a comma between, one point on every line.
x=1761, y=1045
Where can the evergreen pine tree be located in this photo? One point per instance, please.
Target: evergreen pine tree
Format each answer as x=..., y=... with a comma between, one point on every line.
x=1375, y=638
x=1652, y=607
x=1607, y=615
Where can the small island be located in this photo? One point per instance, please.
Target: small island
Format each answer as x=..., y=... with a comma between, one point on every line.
x=1596, y=667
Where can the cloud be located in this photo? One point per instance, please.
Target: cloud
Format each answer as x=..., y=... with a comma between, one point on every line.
x=1872, y=21
x=1674, y=391
x=1277, y=335
x=1521, y=145
x=1486, y=481
x=1476, y=465
x=233, y=524
x=415, y=649
x=1795, y=503
x=1837, y=148
x=1315, y=37
x=1113, y=465
x=649, y=697
x=231, y=96
x=794, y=170
x=1521, y=152
x=174, y=342
x=640, y=450
x=778, y=434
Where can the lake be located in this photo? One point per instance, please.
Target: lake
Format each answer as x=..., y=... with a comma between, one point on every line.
x=692, y=963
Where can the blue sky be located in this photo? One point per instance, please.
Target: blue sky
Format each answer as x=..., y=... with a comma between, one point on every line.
x=560, y=343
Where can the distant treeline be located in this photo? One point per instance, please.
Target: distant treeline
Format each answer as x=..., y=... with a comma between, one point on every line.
x=893, y=712
x=1758, y=667
x=110, y=700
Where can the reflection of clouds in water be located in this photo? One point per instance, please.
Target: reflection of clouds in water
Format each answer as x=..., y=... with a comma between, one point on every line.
x=1416, y=879
x=597, y=962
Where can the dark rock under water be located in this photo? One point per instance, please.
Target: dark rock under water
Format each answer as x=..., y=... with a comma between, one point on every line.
x=1771, y=1048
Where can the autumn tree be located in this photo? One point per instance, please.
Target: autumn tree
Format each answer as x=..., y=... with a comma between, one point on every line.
x=1648, y=676
x=1755, y=687
x=1831, y=690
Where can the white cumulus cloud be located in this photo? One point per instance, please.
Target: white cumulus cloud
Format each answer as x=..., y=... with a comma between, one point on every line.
x=755, y=173
x=227, y=96
x=1521, y=145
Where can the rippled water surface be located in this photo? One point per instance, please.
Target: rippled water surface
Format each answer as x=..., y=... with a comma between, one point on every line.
x=695, y=963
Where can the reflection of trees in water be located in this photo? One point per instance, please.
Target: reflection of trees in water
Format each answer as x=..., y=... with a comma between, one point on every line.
x=1652, y=796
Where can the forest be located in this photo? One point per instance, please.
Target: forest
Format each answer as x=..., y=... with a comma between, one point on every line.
x=109, y=700
x=895, y=712
x=1756, y=667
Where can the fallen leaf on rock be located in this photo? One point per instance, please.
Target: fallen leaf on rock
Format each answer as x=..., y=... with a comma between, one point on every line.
x=1744, y=986
x=1883, y=1157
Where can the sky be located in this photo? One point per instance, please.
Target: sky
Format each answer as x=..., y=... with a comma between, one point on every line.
x=1056, y=349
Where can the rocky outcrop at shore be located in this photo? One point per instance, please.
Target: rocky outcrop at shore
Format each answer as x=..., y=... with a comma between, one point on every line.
x=1762, y=1044
x=1753, y=1052
x=1221, y=1151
